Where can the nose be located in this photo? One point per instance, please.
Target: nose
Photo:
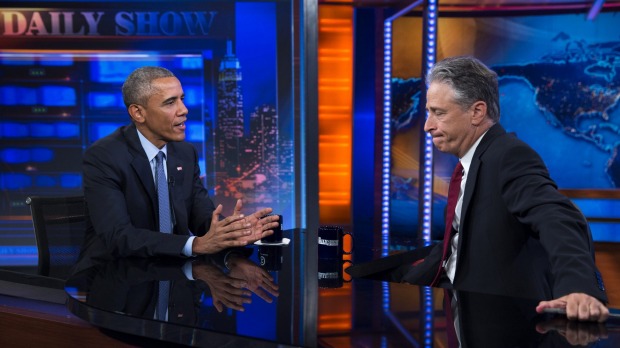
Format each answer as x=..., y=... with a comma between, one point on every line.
x=182, y=108
x=429, y=124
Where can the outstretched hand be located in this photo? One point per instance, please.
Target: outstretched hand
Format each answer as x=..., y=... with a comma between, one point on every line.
x=236, y=230
x=261, y=225
x=578, y=306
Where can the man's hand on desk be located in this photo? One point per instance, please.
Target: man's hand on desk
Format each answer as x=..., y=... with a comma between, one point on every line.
x=225, y=290
x=258, y=280
x=578, y=306
x=234, y=231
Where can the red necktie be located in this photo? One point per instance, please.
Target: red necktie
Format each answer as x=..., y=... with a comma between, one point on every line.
x=453, y=197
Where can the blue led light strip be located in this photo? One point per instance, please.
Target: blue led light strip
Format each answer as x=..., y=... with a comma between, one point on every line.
x=387, y=137
x=427, y=182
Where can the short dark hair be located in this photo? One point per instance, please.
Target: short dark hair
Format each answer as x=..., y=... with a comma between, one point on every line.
x=471, y=81
x=138, y=88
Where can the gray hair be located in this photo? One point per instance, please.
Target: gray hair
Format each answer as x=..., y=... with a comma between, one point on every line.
x=138, y=88
x=471, y=81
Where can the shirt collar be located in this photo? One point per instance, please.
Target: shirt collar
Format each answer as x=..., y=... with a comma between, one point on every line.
x=469, y=155
x=150, y=149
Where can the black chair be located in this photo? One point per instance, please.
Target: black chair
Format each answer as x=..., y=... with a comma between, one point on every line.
x=59, y=228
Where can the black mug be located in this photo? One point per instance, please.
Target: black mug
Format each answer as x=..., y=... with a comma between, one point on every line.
x=270, y=257
x=331, y=244
x=276, y=237
x=331, y=273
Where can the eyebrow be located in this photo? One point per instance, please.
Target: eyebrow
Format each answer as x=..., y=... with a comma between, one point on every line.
x=434, y=109
x=173, y=98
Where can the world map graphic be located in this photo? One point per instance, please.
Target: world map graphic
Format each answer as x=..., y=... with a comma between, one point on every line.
x=564, y=105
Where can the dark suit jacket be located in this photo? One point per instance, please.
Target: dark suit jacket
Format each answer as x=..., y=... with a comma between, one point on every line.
x=122, y=201
x=519, y=236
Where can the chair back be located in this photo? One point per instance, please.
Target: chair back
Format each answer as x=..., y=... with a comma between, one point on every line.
x=59, y=229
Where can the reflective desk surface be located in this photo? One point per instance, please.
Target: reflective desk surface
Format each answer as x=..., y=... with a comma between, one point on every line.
x=270, y=296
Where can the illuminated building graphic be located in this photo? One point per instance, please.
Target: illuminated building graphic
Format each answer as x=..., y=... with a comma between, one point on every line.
x=229, y=132
x=252, y=160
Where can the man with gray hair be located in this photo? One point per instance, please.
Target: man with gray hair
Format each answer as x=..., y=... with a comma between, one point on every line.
x=511, y=232
x=129, y=173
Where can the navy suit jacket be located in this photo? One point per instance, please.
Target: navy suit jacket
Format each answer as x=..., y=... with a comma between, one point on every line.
x=519, y=235
x=122, y=201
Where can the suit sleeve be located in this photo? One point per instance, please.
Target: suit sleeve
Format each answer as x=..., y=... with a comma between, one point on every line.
x=532, y=198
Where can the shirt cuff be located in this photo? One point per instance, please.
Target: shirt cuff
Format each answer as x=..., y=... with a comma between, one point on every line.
x=187, y=249
x=188, y=270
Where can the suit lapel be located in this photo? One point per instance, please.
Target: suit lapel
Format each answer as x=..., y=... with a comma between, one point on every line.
x=140, y=163
x=176, y=165
x=493, y=132
x=176, y=168
x=470, y=186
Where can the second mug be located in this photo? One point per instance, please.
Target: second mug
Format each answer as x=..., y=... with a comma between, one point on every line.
x=276, y=237
x=331, y=242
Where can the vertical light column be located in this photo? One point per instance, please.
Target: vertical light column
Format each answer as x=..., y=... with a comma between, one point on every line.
x=335, y=99
x=427, y=182
x=430, y=42
x=386, y=144
x=335, y=69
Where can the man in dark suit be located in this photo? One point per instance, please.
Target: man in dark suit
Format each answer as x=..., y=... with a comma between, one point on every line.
x=515, y=233
x=120, y=189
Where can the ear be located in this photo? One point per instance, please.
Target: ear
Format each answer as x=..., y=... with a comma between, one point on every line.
x=136, y=113
x=479, y=112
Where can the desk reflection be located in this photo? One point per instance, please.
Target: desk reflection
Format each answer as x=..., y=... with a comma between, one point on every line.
x=484, y=320
x=227, y=299
x=205, y=293
x=204, y=285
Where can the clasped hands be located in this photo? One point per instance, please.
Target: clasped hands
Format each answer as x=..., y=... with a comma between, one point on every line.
x=236, y=230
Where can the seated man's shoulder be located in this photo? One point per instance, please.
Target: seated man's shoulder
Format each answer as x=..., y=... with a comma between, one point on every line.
x=110, y=144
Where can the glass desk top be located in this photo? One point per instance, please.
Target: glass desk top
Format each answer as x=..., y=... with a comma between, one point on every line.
x=271, y=296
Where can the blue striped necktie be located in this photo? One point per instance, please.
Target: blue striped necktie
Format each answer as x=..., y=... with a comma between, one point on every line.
x=163, y=198
x=165, y=226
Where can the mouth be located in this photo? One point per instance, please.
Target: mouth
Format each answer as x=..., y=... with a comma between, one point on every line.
x=180, y=125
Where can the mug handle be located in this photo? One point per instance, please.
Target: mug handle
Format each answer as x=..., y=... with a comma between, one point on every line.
x=352, y=243
x=343, y=272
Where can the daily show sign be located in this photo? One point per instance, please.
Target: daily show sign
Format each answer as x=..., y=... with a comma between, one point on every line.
x=156, y=22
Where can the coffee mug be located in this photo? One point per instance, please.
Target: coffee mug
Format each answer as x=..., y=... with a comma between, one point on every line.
x=331, y=273
x=331, y=242
x=276, y=237
x=270, y=257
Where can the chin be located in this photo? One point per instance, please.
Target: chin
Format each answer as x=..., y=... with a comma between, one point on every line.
x=175, y=139
x=439, y=146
